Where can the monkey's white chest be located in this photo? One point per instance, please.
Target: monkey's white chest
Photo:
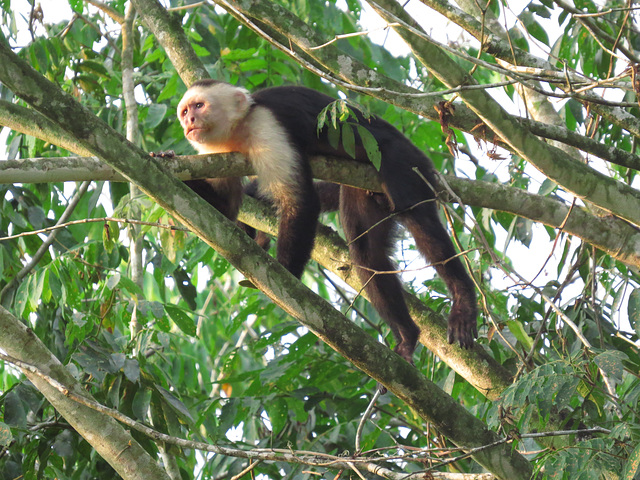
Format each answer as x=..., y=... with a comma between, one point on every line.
x=274, y=159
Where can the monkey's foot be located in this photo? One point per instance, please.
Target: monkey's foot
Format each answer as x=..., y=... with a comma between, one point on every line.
x=406, y=348
x=463, y=325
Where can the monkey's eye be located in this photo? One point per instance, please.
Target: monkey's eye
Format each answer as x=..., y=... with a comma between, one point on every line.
x=184, y=112
x=199, y=104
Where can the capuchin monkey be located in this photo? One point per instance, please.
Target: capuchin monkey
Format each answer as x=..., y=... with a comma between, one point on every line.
x=276, y=129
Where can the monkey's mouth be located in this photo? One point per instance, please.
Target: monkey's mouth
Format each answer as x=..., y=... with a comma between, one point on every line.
x=190, y=130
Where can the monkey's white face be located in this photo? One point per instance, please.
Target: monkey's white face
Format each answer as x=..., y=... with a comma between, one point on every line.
x=211, y=117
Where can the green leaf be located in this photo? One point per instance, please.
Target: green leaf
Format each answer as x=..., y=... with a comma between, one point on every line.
x=348, y=140
x=36, y=216
x=533, y=27
x=333, y=114
x=170, y=89
x=333, y=134
x=129, y=285
x=633, y=310
x=186, y=288
x=200, y=50
x=278, y=412
x=90, y=84
x=518, y=331
x=547, y=187
x=5, y=435
x=539, y=10
x=141, y=402
x=253, y=64
x=131, y=370
x=76, y=5
x=175, y=404
x=618, y=297
x=113, y=280
x=21, y=298
x=219, y=266
x=258, y=79
x=523, y=230
x=240, y=54
x=47, y=292
x=110, y=233
x=228, y=415
x=155, y=115
x=36, y=286
x=449, y=382
x=370, y=145
x=631, y=468
x=15, y=414
x=322, y=119
x=181, y=319
x=610, y=362
x=90, y=66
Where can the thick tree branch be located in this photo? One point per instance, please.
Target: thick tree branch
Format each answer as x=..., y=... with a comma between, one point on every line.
x=110, y=439
x=614, y=236
x=507, y=52
x=11, y=115
x=32, y=123
x=168, y=31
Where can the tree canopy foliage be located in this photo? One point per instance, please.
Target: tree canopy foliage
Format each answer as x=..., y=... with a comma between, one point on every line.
x=128, y=344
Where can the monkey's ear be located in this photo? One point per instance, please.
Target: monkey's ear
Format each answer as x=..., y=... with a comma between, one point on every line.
x=242, y=100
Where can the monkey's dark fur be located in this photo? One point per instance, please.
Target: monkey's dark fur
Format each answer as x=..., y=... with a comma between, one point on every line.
x=291, y=113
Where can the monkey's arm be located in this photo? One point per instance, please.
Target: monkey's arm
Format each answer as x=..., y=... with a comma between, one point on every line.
x=328, y=193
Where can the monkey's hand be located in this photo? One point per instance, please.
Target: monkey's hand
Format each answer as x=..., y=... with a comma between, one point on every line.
x=463, y=325
x=167, y=154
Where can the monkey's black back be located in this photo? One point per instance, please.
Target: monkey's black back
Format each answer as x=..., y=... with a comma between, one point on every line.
x=365, y=216
x=297, y=109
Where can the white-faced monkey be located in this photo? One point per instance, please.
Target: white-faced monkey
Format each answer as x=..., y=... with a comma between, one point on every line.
x=276, y=129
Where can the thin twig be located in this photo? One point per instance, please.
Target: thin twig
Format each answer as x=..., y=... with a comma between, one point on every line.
x=249, y=468
x=59, y=225
x=48, y=241
x=354, y=34
x=363, y=420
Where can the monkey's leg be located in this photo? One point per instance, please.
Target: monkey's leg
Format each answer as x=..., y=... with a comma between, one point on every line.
x=225, y=194
x=261, y=238
x=433, y=241
x=329, y=194
x=297, y=229
x=359, y=211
